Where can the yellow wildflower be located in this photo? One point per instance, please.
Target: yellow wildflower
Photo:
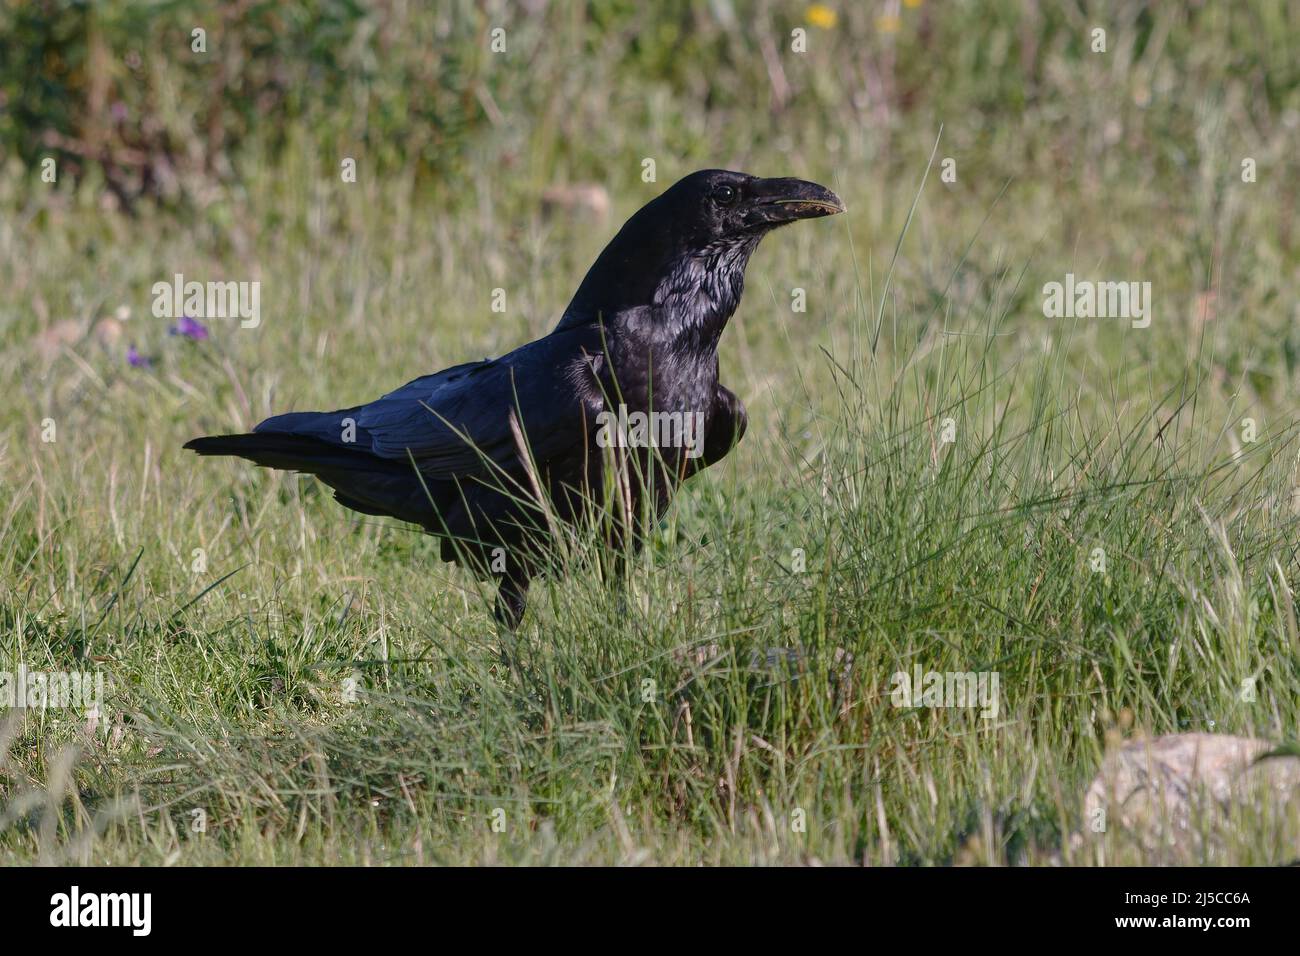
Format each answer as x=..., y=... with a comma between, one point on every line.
x=820, y=15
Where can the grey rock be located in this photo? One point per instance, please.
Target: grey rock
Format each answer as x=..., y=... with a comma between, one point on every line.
x=1177, y=791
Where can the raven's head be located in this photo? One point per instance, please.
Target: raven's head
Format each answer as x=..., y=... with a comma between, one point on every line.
x=683, y=254
x=716, y=207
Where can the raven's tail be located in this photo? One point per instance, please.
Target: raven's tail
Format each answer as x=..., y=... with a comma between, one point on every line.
x=278, y=450
x=361, y=481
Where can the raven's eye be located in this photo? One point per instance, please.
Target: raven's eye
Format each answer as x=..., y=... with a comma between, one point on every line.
x=724, y=195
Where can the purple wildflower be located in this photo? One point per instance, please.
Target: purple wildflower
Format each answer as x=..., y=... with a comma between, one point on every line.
x=136, y=360
x=190, y=328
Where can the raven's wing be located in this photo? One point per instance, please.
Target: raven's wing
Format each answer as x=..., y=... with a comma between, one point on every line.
x=457, y=422
x=727, y=425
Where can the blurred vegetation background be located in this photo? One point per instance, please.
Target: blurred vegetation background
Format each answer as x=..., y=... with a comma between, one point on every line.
x=1089, y=150
x=117, y=93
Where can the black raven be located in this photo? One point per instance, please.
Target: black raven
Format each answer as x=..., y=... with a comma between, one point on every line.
x=618, y=405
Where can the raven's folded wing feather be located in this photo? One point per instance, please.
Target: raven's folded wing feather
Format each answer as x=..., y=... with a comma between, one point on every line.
x=457, y=423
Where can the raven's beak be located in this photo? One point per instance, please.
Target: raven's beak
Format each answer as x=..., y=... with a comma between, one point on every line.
x=778, y=201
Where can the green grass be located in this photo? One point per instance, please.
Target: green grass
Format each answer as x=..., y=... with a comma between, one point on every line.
x=651, y=726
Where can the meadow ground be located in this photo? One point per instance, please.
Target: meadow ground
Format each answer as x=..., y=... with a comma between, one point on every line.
x=937, y=476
